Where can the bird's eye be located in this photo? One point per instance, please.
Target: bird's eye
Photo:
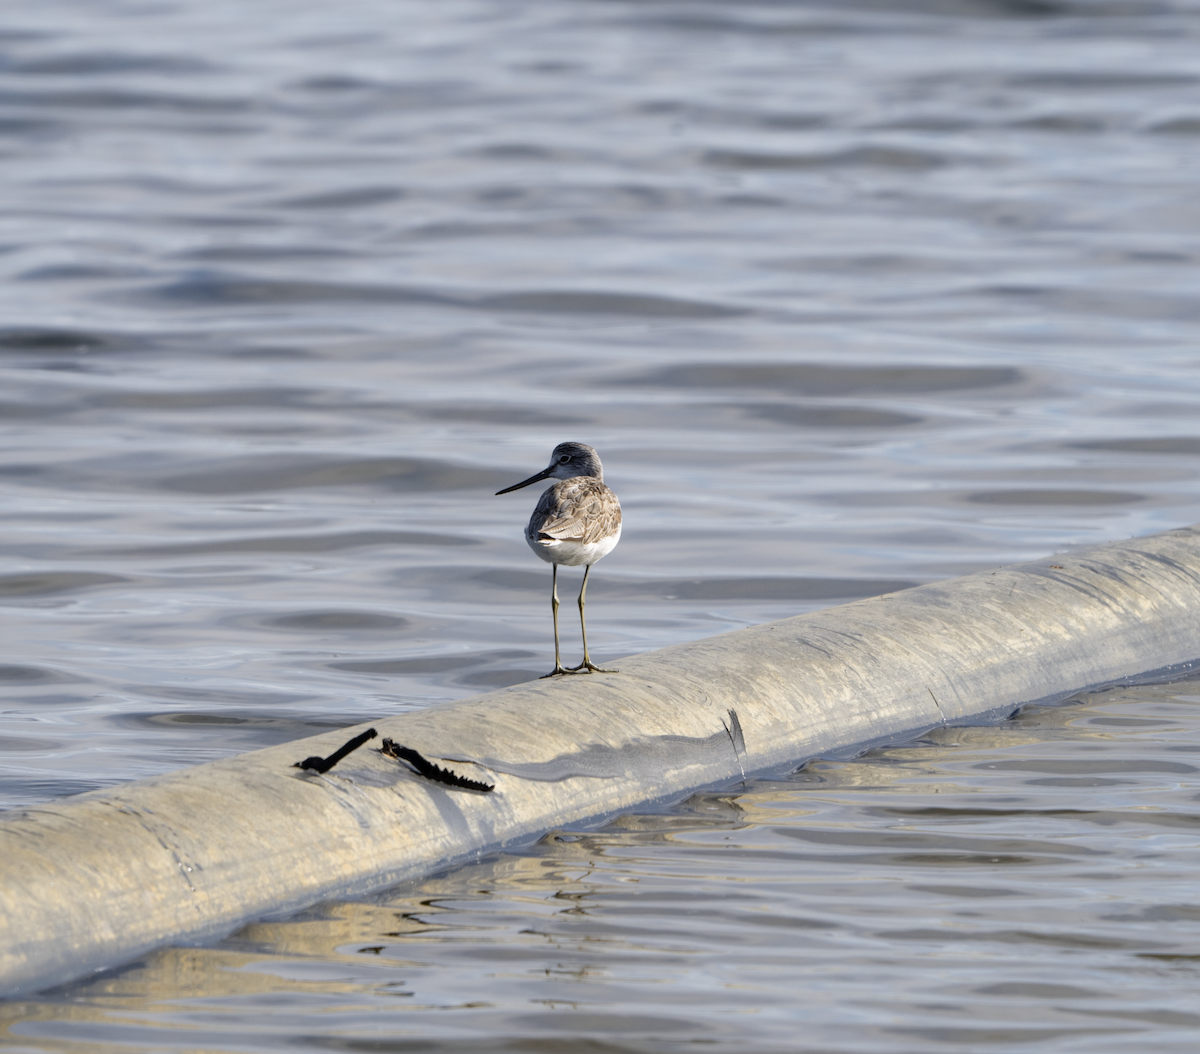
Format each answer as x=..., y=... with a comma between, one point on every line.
x=563, y=459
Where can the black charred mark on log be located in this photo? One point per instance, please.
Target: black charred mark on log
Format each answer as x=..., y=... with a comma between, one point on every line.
x=322, y=765
x=429, y=770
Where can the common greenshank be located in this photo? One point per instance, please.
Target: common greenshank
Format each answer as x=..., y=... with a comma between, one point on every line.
x=577, y=521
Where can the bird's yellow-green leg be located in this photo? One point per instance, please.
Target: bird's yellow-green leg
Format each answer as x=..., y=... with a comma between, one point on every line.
x=587, y=666
x=558, y=666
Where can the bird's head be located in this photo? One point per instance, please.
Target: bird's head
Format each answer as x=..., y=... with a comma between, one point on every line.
x=568, y=461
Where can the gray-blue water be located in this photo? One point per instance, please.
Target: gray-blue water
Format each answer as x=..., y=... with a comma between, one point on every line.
x=848, y=296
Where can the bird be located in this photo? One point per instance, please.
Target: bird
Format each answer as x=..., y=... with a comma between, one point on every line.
x=577, y=520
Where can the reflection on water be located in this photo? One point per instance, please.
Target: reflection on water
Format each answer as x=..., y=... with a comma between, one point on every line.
x=1027, y=886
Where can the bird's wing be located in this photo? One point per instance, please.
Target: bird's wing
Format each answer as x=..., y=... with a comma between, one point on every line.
x=581, y=509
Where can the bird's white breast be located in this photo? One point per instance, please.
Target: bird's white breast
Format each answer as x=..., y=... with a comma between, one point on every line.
x=572, y=553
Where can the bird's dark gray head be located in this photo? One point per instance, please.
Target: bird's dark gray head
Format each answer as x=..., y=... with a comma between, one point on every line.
x=575, y=459
x=568, y=461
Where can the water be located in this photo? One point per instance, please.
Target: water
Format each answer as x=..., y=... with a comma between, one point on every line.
x=848, y=296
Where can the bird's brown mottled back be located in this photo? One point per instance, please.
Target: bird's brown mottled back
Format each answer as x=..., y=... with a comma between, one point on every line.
x=581, y=509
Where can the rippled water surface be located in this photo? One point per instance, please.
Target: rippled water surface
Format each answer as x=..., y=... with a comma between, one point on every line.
x=849, y=296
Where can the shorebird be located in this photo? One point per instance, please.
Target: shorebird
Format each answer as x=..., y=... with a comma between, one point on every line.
x=577, y=520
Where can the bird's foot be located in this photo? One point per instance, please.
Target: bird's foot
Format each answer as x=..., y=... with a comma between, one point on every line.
x=587, y=666
x=558, y=671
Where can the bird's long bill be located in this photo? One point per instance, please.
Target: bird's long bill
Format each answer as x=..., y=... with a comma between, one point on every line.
x=544, y=474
